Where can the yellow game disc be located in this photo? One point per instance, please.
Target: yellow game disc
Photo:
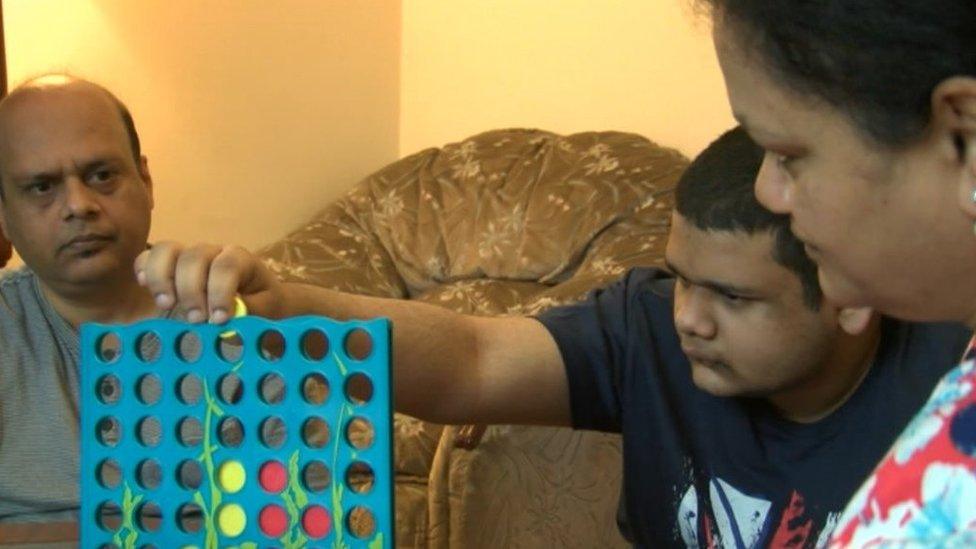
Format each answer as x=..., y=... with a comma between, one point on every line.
x=231, y=520
x=231, y=476
x=240, y=309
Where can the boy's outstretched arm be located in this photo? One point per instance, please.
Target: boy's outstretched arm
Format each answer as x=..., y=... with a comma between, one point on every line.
x=448, y=367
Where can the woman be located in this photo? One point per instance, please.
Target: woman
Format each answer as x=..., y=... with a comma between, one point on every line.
x=867, y=111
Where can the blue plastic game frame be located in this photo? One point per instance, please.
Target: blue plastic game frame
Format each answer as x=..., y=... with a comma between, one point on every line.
x=293, y=366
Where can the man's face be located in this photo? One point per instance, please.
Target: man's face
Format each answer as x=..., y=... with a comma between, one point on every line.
x=883, y=226
x=741, y=316
x=76, y=205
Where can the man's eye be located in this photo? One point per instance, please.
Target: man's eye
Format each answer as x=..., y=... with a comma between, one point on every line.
x=101, y=176
x=40, y=188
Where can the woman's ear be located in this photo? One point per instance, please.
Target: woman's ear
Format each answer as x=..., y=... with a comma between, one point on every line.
x=855, y=320
x=954, y=117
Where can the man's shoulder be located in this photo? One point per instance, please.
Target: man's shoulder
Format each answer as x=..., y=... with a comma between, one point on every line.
x=17, y=293
x=10, y=278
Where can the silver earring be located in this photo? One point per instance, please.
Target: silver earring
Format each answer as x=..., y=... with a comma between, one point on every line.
x=973, y=197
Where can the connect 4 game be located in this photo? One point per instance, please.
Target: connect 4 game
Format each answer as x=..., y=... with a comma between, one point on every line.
x=254, y=434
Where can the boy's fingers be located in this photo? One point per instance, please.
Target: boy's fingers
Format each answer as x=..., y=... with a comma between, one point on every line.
x=227, y=270
x=191, y=279
x=155, y=269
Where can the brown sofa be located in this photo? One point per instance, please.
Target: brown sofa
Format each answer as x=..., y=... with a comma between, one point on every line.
x=506, y=222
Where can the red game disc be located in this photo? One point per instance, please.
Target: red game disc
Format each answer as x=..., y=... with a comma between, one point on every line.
x=316, y=521
x=273, y=476
x=273, y=521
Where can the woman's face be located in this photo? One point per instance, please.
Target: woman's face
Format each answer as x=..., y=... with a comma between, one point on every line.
x=884, y=226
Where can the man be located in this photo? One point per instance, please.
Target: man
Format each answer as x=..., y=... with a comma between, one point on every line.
x=750, y=408
x=75, y=200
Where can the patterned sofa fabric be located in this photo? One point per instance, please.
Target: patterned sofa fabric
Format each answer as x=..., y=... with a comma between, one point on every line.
x=508, y=222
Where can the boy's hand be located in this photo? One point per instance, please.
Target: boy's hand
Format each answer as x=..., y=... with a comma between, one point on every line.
x=203, y=279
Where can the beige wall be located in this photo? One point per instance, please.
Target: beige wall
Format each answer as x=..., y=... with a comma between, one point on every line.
x=645, y=66
x=254, y=114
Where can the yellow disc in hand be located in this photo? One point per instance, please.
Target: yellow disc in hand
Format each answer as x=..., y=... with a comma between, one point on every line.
x=231, y=520
x=240, y=309
x=231, y=476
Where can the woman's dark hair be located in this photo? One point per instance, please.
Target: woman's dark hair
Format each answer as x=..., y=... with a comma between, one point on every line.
x=878, y=61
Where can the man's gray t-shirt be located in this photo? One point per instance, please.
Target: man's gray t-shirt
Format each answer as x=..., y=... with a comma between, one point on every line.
x=39, y=412
x=39, y=403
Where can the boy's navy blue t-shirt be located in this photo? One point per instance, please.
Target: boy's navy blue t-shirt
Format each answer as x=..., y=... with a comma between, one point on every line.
x=712, y=471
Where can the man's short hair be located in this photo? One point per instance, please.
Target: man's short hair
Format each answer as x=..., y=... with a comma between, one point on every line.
x=716, y=193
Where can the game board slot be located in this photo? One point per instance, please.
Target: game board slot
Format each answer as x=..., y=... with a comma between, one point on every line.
x=231, y=432
x=189, y=474
x=188, y=347
x=315, y=345
x=358, y=344
x=149, y=431
x=360, y=477
x=230, y=388
x=316, y=521
x=359, y=388
x=273, y=477
x=230, y=346
x=271, y=345
x=148, y=347
x=273, y=521
x=189, y=518
x=189, y=389
x=149, y=474
x=149, y=517
x=108, y=431
x=315, y=389
x=273, y=432
x=109, y=348
x=109, y=474
x=315, y=432
x=231, y=476
x=316, y=476
x=109, y=516
x=361, y=522
x=189, y=431
x=149, y=389
x=272, y=389
x=231, y=520
x=360, y=433
x=109, y=389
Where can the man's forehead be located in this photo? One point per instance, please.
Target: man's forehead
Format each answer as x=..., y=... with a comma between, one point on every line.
x=40, y=121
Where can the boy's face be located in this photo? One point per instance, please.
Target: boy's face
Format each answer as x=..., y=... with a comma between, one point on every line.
x=741, y=316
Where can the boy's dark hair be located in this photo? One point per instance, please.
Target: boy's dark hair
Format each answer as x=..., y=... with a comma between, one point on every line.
x=716, y=194
x=877, y=61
